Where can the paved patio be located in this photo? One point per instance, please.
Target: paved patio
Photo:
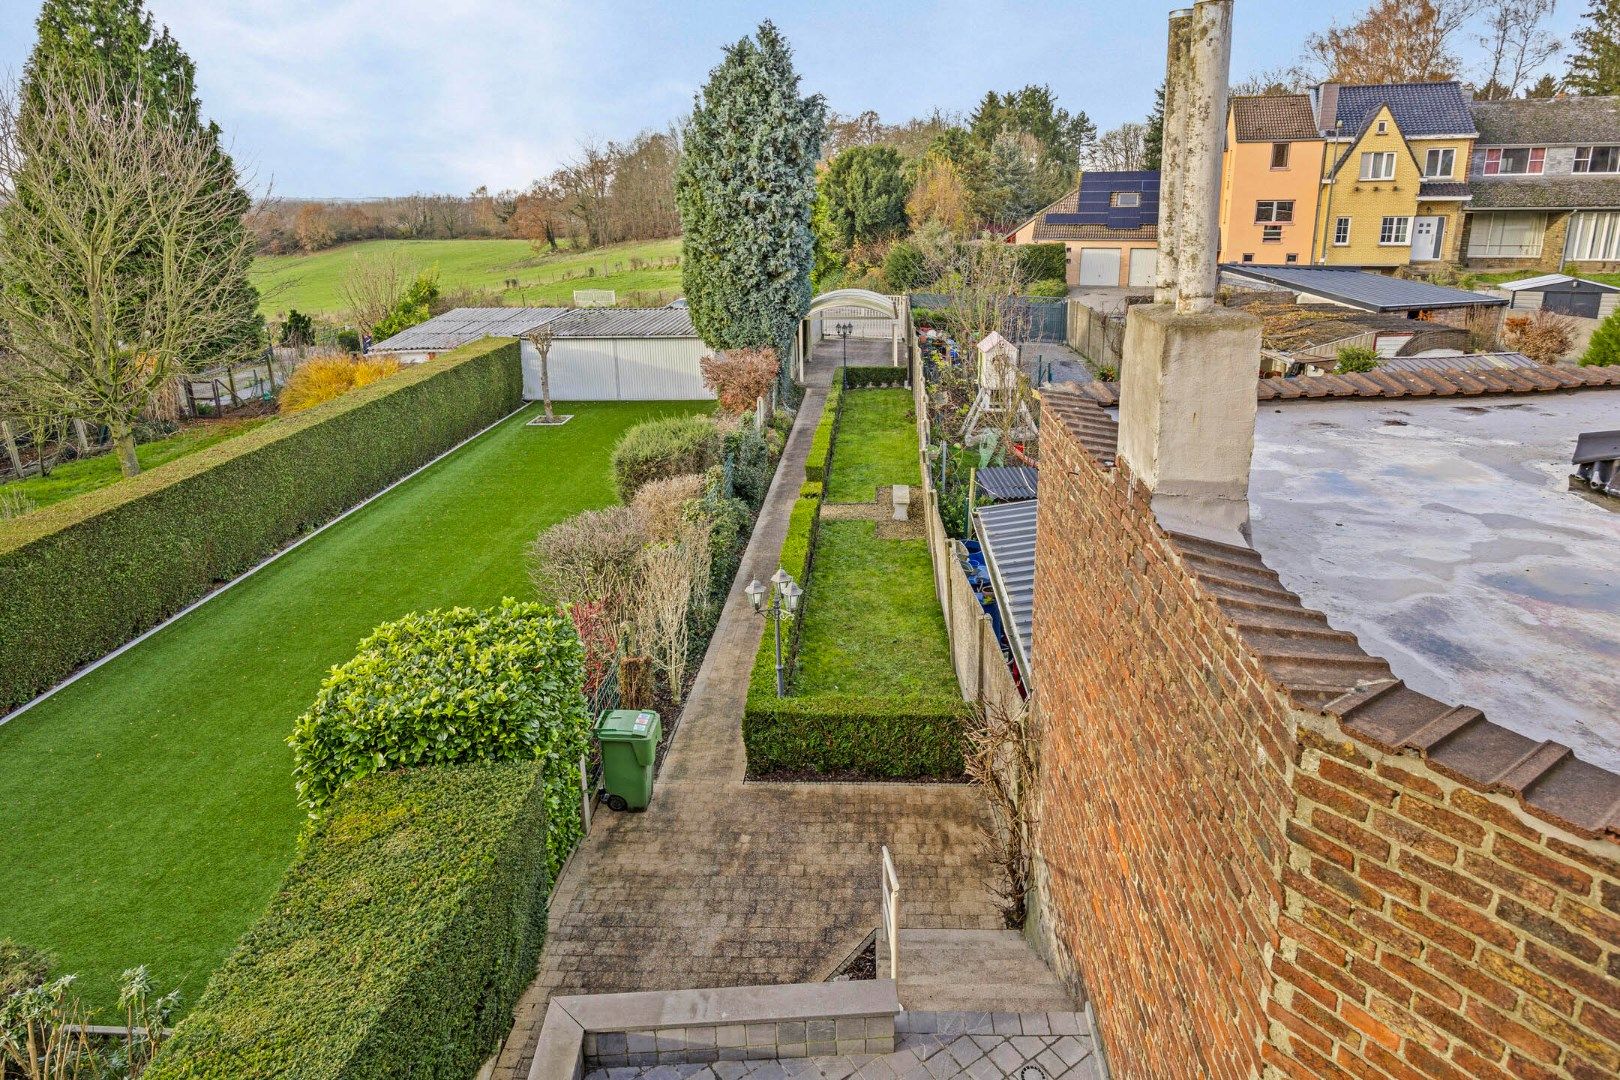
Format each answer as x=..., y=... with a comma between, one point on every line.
x=726, y=883
x=928, y=1046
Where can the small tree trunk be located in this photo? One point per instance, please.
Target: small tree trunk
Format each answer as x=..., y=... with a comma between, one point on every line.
x=545, y=381
x=124, y=444
x=635, y=682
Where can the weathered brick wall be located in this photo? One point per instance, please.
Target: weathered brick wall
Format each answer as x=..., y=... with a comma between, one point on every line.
x=1242, y=886
x=1432, y=930
x=1163, y=790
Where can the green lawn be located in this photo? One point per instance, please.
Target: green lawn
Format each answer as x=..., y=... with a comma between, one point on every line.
x=148, y=809
x=77, y=477
x=313, y=283
x=873, y=625
x=876, y=447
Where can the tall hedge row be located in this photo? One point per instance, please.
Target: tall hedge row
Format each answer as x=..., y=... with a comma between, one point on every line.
x=82, y=577
x=396, y=946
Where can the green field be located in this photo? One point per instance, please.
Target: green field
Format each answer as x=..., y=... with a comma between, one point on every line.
x=76, y=477
x=313, y=283
x=149, y=808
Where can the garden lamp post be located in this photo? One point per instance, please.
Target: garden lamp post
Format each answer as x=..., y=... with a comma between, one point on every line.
x=779, y=599
x=844, y=330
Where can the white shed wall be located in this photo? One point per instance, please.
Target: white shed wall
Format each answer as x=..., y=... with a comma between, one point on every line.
x=619, y=369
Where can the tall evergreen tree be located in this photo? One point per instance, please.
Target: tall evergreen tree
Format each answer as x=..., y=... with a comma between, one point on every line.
x=1155, y=131
x=116, y=44
x=864, y=192
x=745, y=189
x=1594, y=67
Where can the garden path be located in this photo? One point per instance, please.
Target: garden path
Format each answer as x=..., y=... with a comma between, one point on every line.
x=726, y=883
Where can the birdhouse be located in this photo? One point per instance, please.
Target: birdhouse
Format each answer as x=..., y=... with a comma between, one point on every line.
x=998, y=363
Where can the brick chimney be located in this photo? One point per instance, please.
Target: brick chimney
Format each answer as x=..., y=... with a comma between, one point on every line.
x=1187, y=395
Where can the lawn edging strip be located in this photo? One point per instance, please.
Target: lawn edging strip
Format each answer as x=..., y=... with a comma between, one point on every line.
x=85, y=576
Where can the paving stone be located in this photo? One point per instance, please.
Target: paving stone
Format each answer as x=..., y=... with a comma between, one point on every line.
x=1034, y=1023
x=1006, y=1057
x=985, y=1069
x=1051, y=1064
x=727, y=1070
x=1028, y=1045
x=1005, y=1024
x=877, y=1068
x=1066, y=1023
x=964, y=1050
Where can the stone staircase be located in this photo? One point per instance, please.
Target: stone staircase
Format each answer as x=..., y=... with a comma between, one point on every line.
x=973, y=971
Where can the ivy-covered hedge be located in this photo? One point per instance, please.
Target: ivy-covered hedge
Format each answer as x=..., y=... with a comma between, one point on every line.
x=1039, y=261
x=84, y=576
x=819, y=463
x=860, y=378
x=396, y=946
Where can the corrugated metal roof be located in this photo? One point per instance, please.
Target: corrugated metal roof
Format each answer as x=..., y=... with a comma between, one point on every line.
x=1008, y=483
x=1535, y=284
x=1361, y=289
x=1464, y=362
x=1326, y=669
x=663, y=322
x=1007, y=531
x=462, y=325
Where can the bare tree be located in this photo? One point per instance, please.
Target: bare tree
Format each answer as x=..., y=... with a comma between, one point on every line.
x=674, y=577
x=1393, y=41
x=119, y=274
x=542, y=337
x=983, y=282
x=371, y=287
x=1517, y=42
x=1124, y=149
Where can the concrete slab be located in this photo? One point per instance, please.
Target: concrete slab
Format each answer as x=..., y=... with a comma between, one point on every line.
x=976, y=971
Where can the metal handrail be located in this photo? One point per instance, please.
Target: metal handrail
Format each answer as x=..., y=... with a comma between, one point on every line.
x=889, y=883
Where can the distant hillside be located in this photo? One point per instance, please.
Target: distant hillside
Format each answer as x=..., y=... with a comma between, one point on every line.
x=646, y=273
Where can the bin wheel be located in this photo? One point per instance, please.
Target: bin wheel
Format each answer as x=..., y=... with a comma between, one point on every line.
x=616, y=802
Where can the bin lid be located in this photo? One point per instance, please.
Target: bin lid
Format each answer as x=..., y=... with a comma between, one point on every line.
x=626, y=724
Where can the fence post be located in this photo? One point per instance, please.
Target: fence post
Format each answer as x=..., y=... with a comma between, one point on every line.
x=584, y=794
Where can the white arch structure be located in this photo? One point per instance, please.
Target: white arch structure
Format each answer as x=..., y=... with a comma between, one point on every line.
x=853, y=304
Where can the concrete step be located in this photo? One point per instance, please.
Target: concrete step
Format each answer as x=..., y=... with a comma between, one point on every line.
x=973, y=971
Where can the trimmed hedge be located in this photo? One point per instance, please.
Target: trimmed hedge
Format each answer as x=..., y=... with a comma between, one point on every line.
x=396, y=946
x=1039, y=261
x=819, y=463
x=660, y=449
x=859, y=378
x=84, y=576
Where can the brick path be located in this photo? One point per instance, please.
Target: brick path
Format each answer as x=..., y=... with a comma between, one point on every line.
x=722, y=883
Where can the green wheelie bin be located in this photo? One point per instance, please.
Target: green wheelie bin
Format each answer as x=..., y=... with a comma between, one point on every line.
x=629, y=741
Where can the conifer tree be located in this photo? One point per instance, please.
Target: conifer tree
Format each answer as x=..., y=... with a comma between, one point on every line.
x=1594, y=66
x=1604, y=348
x=745, y=189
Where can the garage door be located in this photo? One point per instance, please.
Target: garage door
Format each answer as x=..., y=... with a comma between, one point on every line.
x=1144, y=262
x=1099, y=266
x=1572, y=303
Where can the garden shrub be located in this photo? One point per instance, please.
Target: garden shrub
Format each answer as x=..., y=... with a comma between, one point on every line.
x=1544, y=336
x=588, y=557
x=728, y=521
x=887, y=737
x=84, y=576
x=810, y=489
x=660, y=508
x=904, y=267
x=22, y=967
x=398, y=943
x=740, y=377
x=1604, y=348
x=326, y=377
x=448, y=687
x=864, y=377
x=1052, y=287
x=817, y=465
x=751, y=468
x=1354, y=359
x=658, y=449
x=1038, y=262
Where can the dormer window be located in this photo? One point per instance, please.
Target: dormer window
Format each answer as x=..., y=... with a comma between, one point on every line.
x=1597, y=159
x=1125, y=198
x=1515, y=161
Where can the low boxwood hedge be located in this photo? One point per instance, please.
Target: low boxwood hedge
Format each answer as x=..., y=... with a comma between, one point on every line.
x=860, y=378
x=396, y=946
x=880, y=737
x=819, y=463
x=84, y=576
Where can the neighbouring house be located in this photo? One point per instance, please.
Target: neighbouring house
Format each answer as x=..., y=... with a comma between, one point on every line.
x=1108, y=226
x=1370, y=292
x=1563, y=294
x=1545, y=180
x=597, y=354
x=1271, y=178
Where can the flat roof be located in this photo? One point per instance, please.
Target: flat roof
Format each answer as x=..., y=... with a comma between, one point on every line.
x=1444, y=534
x=1360, y=288
x=462, y=325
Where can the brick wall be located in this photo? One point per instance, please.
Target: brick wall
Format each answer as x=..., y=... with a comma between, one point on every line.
x=1162, y=791
x=1245, y=887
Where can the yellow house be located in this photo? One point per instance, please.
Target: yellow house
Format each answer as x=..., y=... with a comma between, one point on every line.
x=1271, y=177
x=1394, y=182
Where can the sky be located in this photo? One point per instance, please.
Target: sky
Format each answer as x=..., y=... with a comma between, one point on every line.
x=356, y=98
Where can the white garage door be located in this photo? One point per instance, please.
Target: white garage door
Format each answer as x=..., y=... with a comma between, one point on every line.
x=1099, y=266
x=1144, y=263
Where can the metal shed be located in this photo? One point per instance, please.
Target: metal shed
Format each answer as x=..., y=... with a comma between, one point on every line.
x=1564, y=294
x=1007, y=533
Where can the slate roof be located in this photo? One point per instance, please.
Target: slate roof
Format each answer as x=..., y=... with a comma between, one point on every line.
x=1276, y=118
x=1360, y=288
x=1547, y=193
x=1437, y=189
x=1327, y=670
x=1420, y=109
x=1568, y=121
x=1070, y=204
x=1007, y=531
x=463, y=325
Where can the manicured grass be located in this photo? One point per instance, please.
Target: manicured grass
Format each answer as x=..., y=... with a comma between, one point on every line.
x=148, y=809
x=76, y=477
x=313, y=284
x=876, y=445
x=873, y=625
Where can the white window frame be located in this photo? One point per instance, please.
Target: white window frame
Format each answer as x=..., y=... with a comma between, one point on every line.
x=1584, y=155
x=1378, y=165
x=1278, y=208
x=1129, y=199
x=1448, y=155
x=1593, y=236
x=1511, y=235
x=1341, y=226
x=1397, y=228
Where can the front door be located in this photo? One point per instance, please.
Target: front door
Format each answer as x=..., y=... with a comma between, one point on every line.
x=1427, y=234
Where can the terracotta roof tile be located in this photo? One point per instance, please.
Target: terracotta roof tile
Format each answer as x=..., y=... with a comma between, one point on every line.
x=1278, y=118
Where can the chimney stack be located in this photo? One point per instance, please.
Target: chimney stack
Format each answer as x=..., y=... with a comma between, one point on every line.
x=1187, y=396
